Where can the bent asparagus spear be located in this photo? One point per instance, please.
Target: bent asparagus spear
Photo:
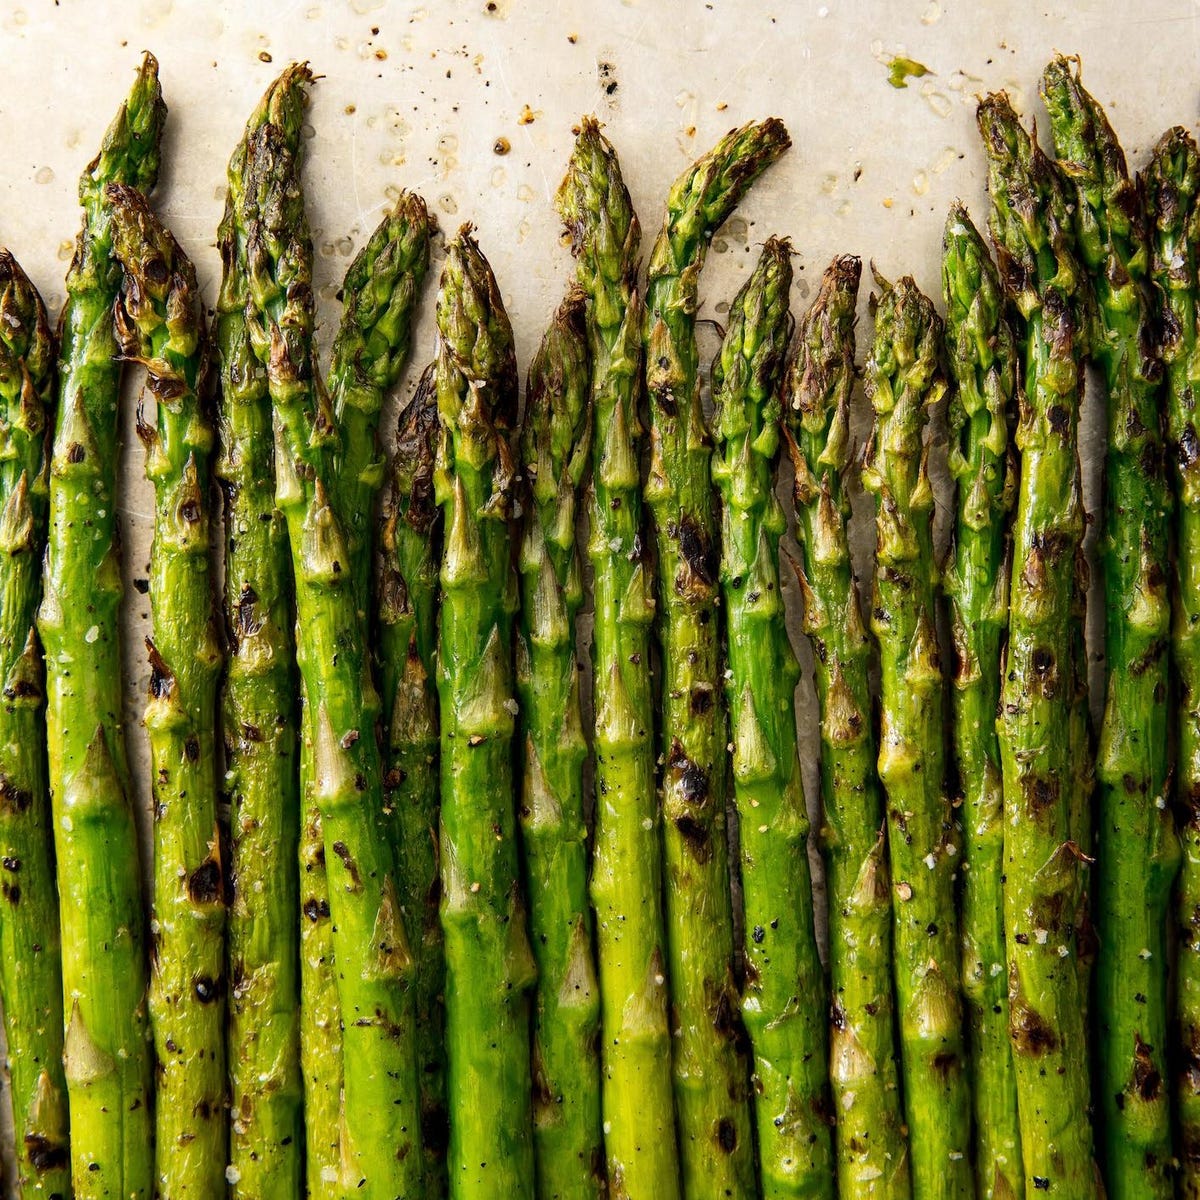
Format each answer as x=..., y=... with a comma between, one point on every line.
x=30, y=951
x=107, y=1055
x=636, y=1092
x=871, y=1142
x=1043, y=281
x=710, y=1068
x=160, y=323
x=787, y=1039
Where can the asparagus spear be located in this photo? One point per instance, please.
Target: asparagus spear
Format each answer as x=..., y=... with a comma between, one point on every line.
x=871, y=1144
x=30, y=953
x=1173, y=186
x=407, y=604
x=107, y=1055
x=379, y=1140
x=905, y=382
x=1137, y=850
x=1043, y=282
x=788, y=1039
x=982, y=358
x=555, y=457
x=489, y=963
x=626, y=889
x=260, y=724
x=710, y=1068
x=160, y=323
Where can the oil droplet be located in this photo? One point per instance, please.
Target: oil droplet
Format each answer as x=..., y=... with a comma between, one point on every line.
x=20, y=17
x=65, y=250
x=44, y=175
x=447, y=203
x=932, y=13
x=502, y=146
x=938, y=102
x=308, y=131
x=684, y=98
x=326, y=249
x=736, y=229
x=844, y=209
x=720, y=245
x=920, y=183
x=366, y=6
x=448, y=143
x=344, y=246
x=525, y=193
x=499, y=177
x=341, y=43
x=945, y=160
x=392, y=192
x=829, y=182
x=722, y=307
x=314, y=13
x=523, y=230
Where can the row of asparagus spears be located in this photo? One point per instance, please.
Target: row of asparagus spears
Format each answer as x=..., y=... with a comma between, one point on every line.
x=411, y=965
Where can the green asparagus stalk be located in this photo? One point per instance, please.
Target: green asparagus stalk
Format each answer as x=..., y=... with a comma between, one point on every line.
x=982, y=357
x=380, y=1132
x=407, y=610
x=870, y=1140
x=788, y=1040
x=260, y=730
x=555, y=459
x=710, y=1070
x=107, y=1055
x=1044, y=284
x=489, y=963
x=1173, y=188
x=160, y=324
x=636, y=1092
x=30, y=953
x=905, y=381
x=1137, y=852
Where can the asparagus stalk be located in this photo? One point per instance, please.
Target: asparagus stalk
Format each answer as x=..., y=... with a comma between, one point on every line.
x=160, y=323
x=555, y=457
x=1137, y=850
x=407, y=604
x=106, y=1055
x=710, y=1069
x=489, y=963
x=788, y=1040
x=870, y=1141
x=626, y=890
x=1173, y=186
x=30, y=953
x=905, y=382
x=982, y=359
x=260, y=731
x=380, y=1132
x=1043, y=282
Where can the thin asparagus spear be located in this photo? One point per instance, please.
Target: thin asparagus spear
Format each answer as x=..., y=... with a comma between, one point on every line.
x=260, y=718
x=787, y=1038
x=1042, y=864
x=905, y=382
x=710, y=1069
x=982, y=357
x=381, y=1111
x=636, y=1092
x=1173, y=187
x=160, y=323
x=489, y=963
x=30, y=952
x=871, y=1143
x=407, y=609
x=555, y=457
x=107, y=1054
x=1137, y=852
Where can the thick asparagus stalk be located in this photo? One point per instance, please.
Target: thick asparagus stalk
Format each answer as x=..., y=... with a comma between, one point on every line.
x=1173, y=188
x=30, y=953
x=788, y=1040
x=380, y=1133
x=710, y=1069
x=1137, y=852
x=555, y=458
x=260, y=731
x=1042, y=863
x=871, y=1144
x=407, y=609
x=636, y=1092
x=160, y=323
x=489, y=964
x=107, y=1053
x=982, y=357
x=905, y=382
